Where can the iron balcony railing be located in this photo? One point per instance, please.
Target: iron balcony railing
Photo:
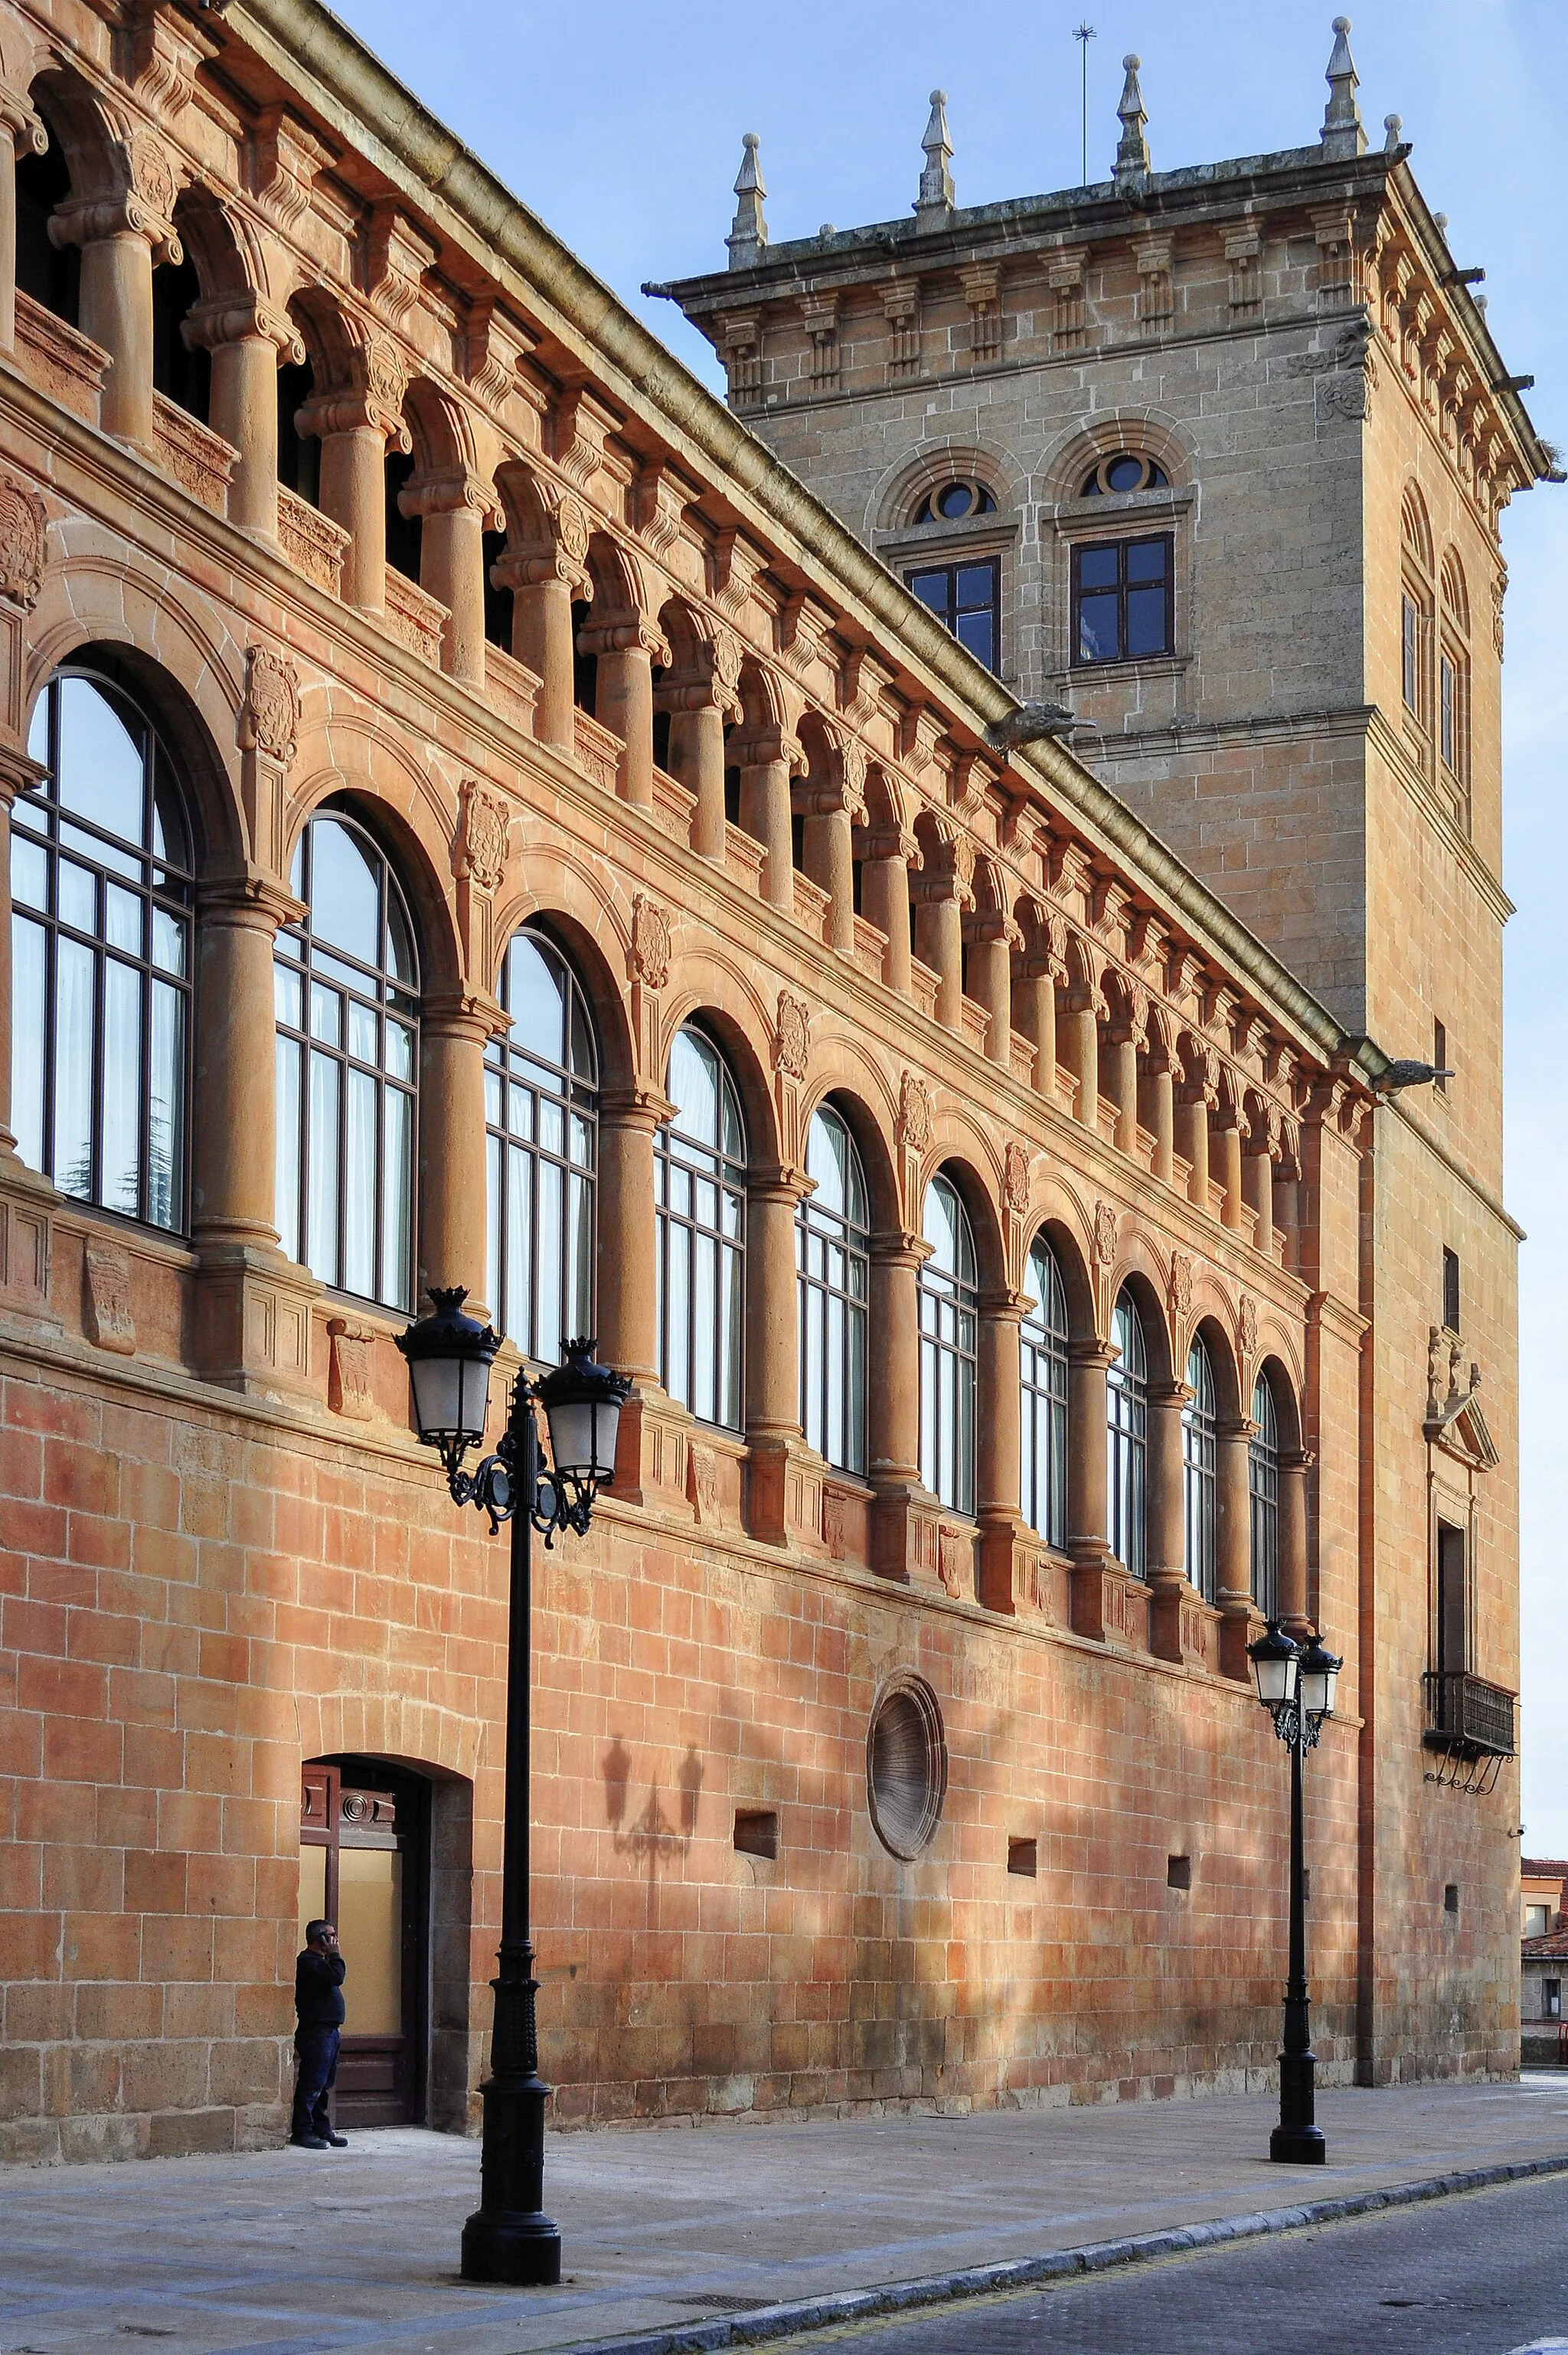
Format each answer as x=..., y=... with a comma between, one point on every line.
x=1466, y=1713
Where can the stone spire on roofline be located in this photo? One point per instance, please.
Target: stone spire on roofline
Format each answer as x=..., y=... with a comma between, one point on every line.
x=1133, y=165
x=934, y=207
x=748, y=236
x=1343, y=136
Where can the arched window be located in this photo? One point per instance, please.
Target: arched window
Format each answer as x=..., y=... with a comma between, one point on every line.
x=347, y=1007
x=541, y=1099
x=1126, y=1436
x=700, y=1181
x=182, y=372
x=101, y=890
x=834, y=1266
x=1262, y=1493
x=1415, y=613
x=1123, y=472
x=1453, y=681
x=1200, y=1461
x=949, y=1318
x=1043, y=1359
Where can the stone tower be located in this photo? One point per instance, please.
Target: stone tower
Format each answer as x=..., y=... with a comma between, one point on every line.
x=1213, y=461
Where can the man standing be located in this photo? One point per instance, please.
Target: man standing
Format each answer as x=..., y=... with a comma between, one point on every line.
x=318, y=1999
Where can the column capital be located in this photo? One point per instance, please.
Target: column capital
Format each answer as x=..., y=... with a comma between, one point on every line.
x=712, y=680
x=1298, y=1459
x=900, y=1247
x=784, y=1183
x=453, y=490
x=251, y=899
x=635, y=1107
x=620, y=633
x=369, y=398
x=1092, y=1353
x=1003, y=1306
x=16, y=773
x=462, y=1013
x=893, y=842
x=766, y=748
x=241, y=317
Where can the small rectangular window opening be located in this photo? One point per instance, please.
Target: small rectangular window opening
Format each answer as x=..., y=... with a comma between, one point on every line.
x=756, y=1832
x=1537, y=1920
x=1123, y=608
x=1451, y=1290
x=1451, y=1898
x=1022, y=1856
x=1552, y=1998
x=1178, y=1872
x=1452, y=1603
x=1410, y=666
x=1440, y=1056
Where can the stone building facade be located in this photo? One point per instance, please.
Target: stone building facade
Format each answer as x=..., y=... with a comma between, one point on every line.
x=471, y=817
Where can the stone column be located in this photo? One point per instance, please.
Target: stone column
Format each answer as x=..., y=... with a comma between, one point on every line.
x=1293, y=1596
x=21, y=133
x=773, y=1371
x=1231, y=1127
x=121, y=237
x=358, y=422
x=991, y=969
x=997, y=1470
x=939, y=943
x=453, y=1202
x=1157, y=1097
x=628, y=1324
x=235, y=1092
x=1233, y=1546
x=1165, y=1517
x=1087, y=1510
x=1193, y=1103
x=766, y=760
x=885, y=899
x=894, y=1402
x=248, y=341
x=829, y=860
x=1080, y=1038
x=1257, y=1187
x=456, y=508
x=1034, y=1013
x=627, y=645
x=544, y=577
x=698, y=703
x=1123, y=1089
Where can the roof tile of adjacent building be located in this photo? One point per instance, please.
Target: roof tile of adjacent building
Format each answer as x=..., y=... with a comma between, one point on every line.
x=1551, y=1948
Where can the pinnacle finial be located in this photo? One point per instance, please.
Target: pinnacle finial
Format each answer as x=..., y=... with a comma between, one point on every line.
x=1343, y=136
x=747, y=237
x=1133, y=167
x=934, y=204
x=1394, y=129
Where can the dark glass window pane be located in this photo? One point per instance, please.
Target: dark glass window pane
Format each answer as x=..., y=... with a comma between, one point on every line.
x=1097, y=568
x=977, y=632
x=1146, y=621
x=1097, y=635
x=977, y=584
x=1124, y=474
x=931, y=588
x=955, y=500
x=1145, y=559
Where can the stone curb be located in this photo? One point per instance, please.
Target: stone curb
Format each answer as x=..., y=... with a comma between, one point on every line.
x=772, y=2322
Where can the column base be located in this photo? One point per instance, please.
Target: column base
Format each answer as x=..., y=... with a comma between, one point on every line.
x=1109, y=1605
x=785, y=1492
x=28, y=1205
x=1002, y=1565
x=252, y=1320
x=1298, y=2146
x=914, y=1543
x=1182, y=1626
x=516, y=2247
x=1241, y=1626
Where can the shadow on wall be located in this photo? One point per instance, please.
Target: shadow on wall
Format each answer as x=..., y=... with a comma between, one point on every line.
x=651, y=1838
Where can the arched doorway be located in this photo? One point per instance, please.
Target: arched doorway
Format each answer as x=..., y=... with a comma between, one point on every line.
x=364, y=1850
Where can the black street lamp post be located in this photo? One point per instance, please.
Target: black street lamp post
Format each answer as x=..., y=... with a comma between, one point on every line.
x=1296, y=1684
x=509, y=2238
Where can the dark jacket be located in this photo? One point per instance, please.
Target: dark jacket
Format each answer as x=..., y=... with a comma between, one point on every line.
x=318, y=1988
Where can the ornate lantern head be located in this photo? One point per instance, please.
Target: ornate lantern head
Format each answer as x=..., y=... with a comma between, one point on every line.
x=449, y=1356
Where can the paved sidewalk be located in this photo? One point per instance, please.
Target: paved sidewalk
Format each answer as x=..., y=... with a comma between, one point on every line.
x=292, y=2252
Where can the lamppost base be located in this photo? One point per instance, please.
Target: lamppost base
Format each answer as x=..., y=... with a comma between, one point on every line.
x=512, y=2246
x=1298, y=2145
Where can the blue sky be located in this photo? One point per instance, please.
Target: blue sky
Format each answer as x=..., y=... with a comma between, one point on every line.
x=621, y=127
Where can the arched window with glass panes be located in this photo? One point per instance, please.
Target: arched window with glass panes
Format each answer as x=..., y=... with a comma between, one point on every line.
x=1200, y=1466
x=541, y=1113
x=1126, y=1437
x=1042, y=1348
x=833, y=1262
x=347, y=983
x=699, y=1196
x=1262, y=1497
x=949, y=1321
x=101, y=882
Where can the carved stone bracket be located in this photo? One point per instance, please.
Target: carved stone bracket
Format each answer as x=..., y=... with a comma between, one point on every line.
x=24, y=522
x=108, y=1306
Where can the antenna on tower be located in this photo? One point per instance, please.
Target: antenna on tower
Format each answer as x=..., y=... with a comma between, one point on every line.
x=1083, y=34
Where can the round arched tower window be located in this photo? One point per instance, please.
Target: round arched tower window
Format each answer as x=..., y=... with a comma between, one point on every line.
x=1123, y=472
x=956, y=502
x=906, y=1767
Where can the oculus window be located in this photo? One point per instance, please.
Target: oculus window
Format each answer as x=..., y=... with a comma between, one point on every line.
x=956, y=502
x=100, y=947
x=1123, y=473
x=1123, y=609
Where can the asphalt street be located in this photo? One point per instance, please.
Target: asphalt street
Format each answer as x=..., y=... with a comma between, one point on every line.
x=1484, y=2275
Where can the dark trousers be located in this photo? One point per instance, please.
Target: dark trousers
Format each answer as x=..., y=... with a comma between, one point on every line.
x=316, y=2054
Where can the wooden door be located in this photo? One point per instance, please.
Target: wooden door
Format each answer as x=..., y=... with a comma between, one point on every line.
x=363, y=1866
